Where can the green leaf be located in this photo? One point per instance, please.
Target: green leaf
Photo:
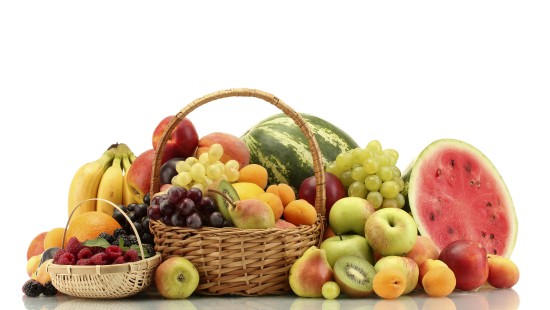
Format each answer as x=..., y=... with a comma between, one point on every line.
x=101, y=242
x=136, y=247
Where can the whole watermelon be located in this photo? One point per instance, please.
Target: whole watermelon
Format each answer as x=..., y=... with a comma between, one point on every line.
x=279, y=145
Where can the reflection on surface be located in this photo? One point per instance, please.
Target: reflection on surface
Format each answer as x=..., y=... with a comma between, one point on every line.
x=484, y=298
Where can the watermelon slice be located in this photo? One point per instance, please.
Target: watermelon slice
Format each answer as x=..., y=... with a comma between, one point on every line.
x=454, y=192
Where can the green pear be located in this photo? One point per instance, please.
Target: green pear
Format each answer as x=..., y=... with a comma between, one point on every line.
x=309, y=272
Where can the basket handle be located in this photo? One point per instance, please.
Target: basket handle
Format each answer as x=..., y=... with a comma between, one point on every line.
x=246, y=92
x=116, y=207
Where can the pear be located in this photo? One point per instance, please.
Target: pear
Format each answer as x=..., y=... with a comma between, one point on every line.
x=309, y=272
x=249, y=213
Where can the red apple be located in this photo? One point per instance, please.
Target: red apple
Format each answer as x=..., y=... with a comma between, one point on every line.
x=182, y=142
x=334, y=190
x=468, y=260
x=139, y=174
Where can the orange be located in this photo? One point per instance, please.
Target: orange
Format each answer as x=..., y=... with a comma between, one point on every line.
x=89, y=225
x=54, y=238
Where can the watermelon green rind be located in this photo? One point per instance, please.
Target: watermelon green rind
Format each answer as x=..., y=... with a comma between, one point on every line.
x=279, y=145
x=463, y=199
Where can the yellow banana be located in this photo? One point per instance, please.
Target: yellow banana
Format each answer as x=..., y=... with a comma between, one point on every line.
x=128, y=195
x=110, y=188
x=85, y=183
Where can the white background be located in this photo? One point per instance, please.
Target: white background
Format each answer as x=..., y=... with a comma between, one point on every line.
x=76, y=77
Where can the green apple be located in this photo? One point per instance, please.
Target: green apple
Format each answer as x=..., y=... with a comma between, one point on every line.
x=349, y=214
x=344, y=245
x=176, y=278
x=391, y=231
x=406, y=265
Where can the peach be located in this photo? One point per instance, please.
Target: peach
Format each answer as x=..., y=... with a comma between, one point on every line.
x=139, y=175
x=37, y=245
x=503, y=273
x=280, y=223
x=423, y=248
x=54, y=238
x=233, y=147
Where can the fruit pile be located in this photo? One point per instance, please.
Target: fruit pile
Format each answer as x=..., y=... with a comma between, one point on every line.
x=446, y=223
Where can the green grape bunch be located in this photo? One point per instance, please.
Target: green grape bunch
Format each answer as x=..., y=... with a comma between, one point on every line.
x=371, y=173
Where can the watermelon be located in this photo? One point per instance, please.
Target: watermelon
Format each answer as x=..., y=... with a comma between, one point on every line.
x=455, y=192
x=279, y=145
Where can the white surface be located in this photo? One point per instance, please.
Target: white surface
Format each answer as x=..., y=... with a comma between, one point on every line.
x=76, y=77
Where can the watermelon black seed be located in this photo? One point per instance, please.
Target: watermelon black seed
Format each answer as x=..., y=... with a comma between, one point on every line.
x=495, y=251
x=468, y=168
x=452, y=163
x=450, y=230
x=483, y=234
x=491, y=236
x=489, y=204
x=438, y=172
x=432, y=216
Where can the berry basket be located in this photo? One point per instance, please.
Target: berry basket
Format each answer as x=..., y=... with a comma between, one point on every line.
x=233, y=261
x=105, y=281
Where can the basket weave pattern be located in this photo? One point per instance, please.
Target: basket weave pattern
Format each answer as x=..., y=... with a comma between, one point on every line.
x=105, y=281
x=233, y=261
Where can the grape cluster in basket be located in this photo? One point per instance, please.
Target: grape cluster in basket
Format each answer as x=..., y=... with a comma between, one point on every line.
x=186, y=208
x=138, y=215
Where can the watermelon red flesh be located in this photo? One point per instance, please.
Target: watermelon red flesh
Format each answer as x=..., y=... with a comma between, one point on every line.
x=456, y=193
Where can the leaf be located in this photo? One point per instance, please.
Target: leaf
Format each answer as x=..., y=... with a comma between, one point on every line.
x=136, y=247
x=100, y=242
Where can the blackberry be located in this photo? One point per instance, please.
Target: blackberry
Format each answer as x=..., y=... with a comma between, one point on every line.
x=148, y=248
x=49, y=289
x=131, y=240
x=32, y=288
x=106, y=236
x=118, y=232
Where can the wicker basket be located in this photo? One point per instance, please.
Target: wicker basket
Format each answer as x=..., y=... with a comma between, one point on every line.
x=233, y=261
x=105, y=281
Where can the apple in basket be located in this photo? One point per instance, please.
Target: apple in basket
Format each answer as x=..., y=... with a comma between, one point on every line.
x=182, y=142
x=176, y=278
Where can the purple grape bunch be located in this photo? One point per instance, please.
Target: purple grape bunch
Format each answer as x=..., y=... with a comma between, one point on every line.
x=186, y=208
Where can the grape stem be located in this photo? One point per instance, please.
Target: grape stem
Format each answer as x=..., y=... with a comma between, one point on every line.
x=231, y=202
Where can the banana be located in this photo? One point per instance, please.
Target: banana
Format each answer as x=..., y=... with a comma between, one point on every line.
x=128, y=195
x=110, y=188
x=85, y=183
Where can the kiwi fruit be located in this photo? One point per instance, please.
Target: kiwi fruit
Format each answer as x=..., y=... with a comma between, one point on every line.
x=221, y=191
x=354, y=275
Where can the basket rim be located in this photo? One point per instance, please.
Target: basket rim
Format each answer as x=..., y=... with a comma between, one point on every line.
x=318, y=168
x=139, y=265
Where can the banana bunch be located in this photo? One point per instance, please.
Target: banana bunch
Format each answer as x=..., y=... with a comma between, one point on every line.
x=104, y=178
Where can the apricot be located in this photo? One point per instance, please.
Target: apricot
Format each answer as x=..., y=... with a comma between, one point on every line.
x=439, y=281
x=254, y=173
x=300, y=212
x=284, y=191
x=41, y=275
x=33, y=263
x=274, y=202
x=427, y=265
x=389, y=283
x=503, y=273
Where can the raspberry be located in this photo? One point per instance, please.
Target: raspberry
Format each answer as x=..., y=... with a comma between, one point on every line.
x=97, y=249
x=84, y=261
x=113, y=252
x=100, y=259
x=85, y=252
x=73, y=246
x=49, y=289
x=66, y=259
x=131, y=255
x=119, y=260
x=32, y=288
x=58, y=254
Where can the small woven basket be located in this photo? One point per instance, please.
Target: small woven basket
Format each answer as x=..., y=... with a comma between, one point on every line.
x=105, y=281
x=233, y=261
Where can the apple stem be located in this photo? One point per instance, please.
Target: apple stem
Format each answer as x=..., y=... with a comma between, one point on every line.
x=339, y=235
x=231, y=202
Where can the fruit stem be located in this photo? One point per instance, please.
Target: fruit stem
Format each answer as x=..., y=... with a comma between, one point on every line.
x=231, y=202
